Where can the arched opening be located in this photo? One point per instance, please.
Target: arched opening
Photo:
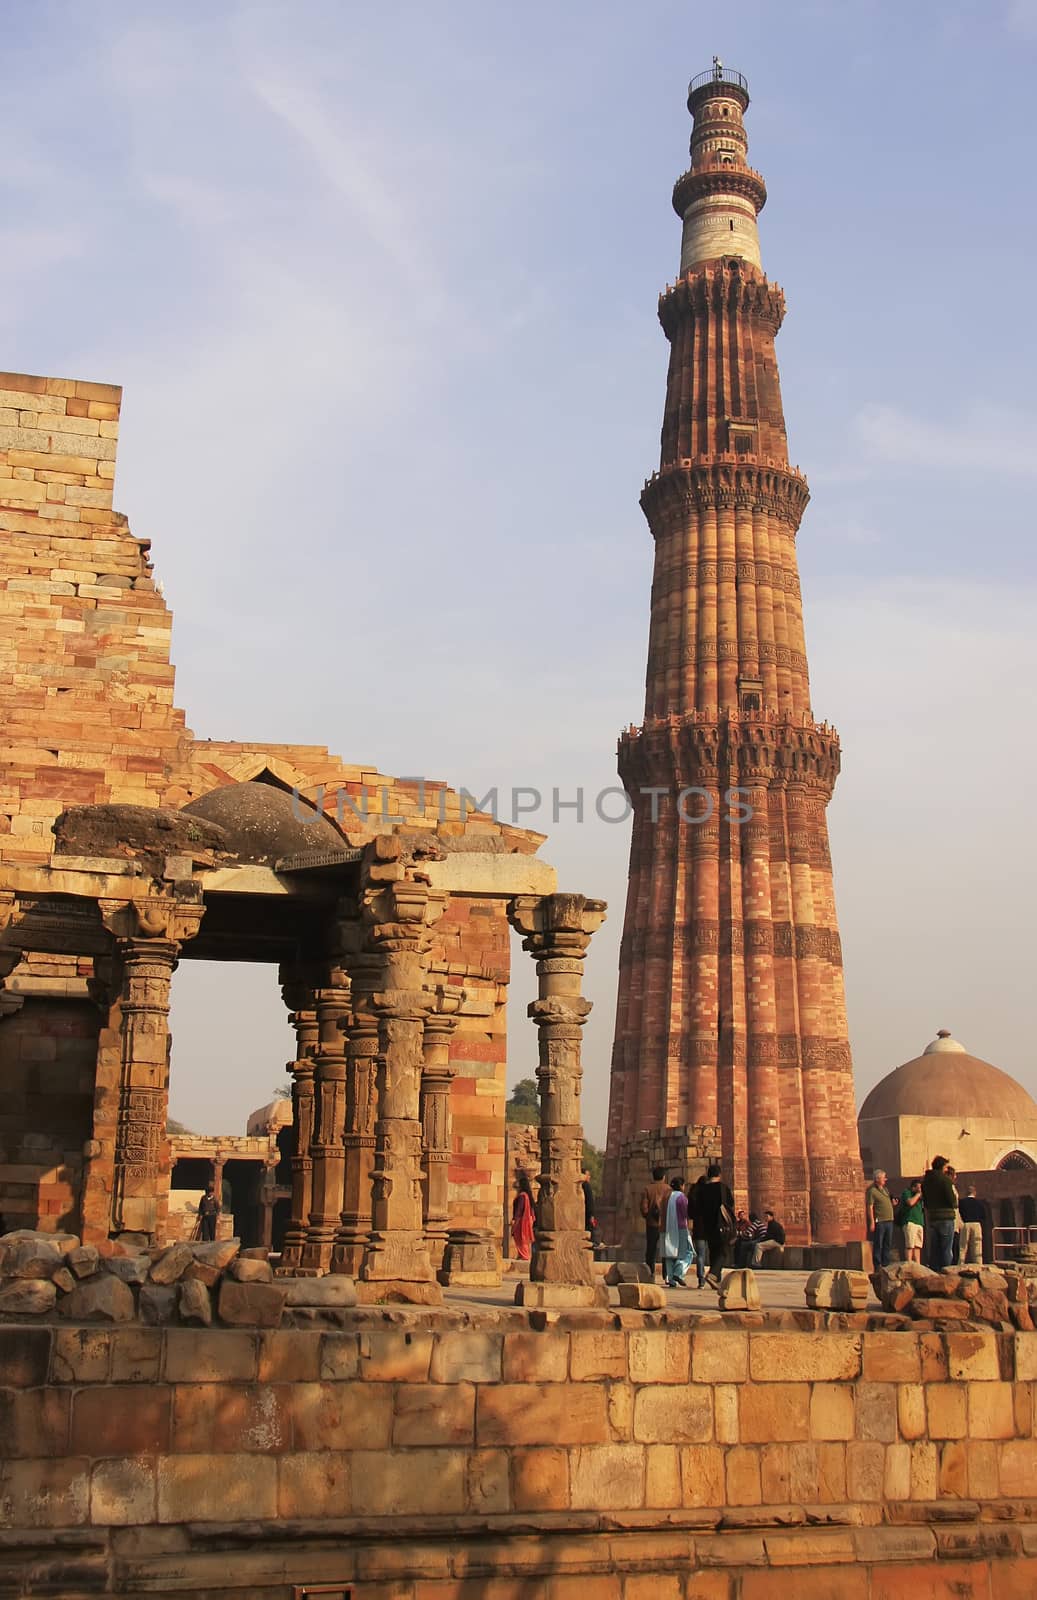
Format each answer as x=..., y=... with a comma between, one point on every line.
x=1016, y=1161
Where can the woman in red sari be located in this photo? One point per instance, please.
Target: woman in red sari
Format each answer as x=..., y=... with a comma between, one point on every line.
x=523, y=1218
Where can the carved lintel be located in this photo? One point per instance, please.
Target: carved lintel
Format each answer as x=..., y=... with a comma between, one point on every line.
x=175, y=918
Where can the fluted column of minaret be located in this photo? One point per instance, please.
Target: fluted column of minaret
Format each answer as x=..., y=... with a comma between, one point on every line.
x=731, y=1008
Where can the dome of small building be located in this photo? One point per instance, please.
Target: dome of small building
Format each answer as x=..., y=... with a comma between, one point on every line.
x=263, y=822
x=946, y=1081
x=269, y=1118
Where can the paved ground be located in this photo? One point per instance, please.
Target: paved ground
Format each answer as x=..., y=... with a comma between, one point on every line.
x=779, y=1291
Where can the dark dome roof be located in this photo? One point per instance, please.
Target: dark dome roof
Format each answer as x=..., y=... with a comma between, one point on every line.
x=945, y=1081
x=263, y=823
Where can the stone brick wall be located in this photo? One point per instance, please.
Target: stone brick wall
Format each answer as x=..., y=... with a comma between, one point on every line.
x=47, y=1052
x=685, y=1152
x=608, y=1461
x=85, y=676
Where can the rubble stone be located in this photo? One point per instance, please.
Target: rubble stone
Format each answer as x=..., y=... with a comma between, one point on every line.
x=28, y=1297
x=171, y=1265
x=248, y=1269
x=193, y=1302
x=100, y=1299
x=738, y=1291
x=258, y=1305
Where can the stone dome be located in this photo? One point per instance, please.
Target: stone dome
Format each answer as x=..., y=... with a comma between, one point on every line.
x=269, y=1118
x=945, y=1081
x=262, y=822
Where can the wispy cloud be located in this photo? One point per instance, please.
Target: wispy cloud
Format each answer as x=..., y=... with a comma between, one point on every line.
x=986, y=438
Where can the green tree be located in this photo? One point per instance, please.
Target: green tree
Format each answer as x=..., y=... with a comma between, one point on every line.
x=524, y=1105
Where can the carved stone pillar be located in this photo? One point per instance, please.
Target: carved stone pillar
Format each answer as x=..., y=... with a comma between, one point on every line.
x=328, y=1152
x=436, y=1077
x=303, y=1017
x=132, y=1097
x=398, y=913
x=361, y=1027
x=557, y=930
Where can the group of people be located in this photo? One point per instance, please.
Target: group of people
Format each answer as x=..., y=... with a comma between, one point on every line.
x=699, y=1227
x=935, y=1220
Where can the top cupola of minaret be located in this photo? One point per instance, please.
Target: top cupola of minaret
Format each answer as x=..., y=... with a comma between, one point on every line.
x=720, y=196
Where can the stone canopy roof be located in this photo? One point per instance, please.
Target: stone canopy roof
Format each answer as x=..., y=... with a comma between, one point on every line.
x=945, y=1081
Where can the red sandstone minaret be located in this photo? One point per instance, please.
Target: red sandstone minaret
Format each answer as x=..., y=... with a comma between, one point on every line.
x=731, y=1008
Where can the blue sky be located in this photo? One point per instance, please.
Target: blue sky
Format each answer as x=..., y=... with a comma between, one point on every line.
x=380, y=285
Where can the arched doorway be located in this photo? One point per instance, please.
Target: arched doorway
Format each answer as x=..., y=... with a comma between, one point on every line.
x=1016, y=1161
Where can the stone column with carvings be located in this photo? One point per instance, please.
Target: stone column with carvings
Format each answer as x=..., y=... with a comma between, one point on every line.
x=556, y=931
x=399, y=908
x=327, y=1149
x=436, y=1077
x=131, y=1101
x=361, y=1029
x=300, y=999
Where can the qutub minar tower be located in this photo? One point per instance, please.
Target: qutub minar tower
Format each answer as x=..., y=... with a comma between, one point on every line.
x=731, y=1008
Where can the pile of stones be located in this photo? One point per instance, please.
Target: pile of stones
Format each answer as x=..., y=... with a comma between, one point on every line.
x=960, y=1296
x=54, y=1275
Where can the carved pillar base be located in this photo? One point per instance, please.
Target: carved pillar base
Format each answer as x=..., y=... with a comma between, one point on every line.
x=470, y=1256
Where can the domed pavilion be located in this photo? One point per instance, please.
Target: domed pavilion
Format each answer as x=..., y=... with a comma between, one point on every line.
x=948, y=1102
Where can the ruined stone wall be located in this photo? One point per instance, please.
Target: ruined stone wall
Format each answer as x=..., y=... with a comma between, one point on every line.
x=493, y=1463
x=47, y=1053
x=85, y=677
x=685, y=1152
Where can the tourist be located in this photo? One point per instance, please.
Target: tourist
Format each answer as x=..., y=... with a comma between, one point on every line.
x=208, y=1212
x=675, y=1244
x=879, y=1209
x=590, y=1221
x=751, y=1230
x=941, y=1204
x=911, y=1218
x=970, y=1240
x=523, y=1217
x=698, y=1228
x=951, y=1172
x=773, y=1235
x=654, y=1201
x=718, y=1217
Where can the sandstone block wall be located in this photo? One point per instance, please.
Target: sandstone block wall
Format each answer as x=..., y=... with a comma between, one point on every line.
x=685, y=1151
x=610, y=1459
x=47, y=1053
x=85, y=674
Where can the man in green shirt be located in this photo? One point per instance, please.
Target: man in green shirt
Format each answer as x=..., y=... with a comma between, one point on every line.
x=879, y=1208
x=911, y=1217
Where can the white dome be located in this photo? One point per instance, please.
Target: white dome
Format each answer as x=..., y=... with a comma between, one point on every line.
x=943, y=1041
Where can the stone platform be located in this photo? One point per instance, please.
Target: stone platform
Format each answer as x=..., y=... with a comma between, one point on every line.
x=486, y=1452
